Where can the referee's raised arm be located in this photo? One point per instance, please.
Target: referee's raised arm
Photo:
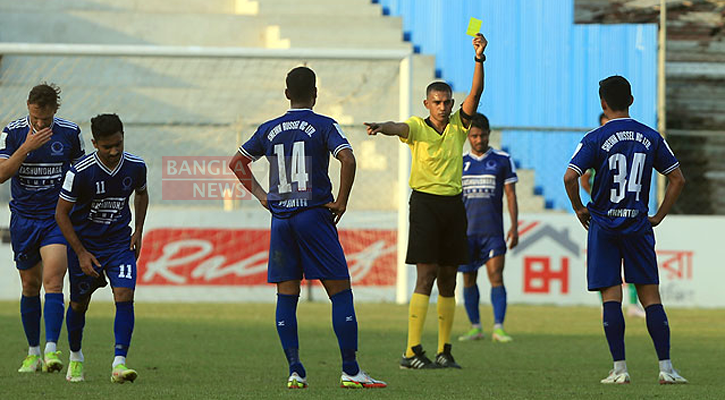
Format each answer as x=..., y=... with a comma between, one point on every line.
x=470, y=104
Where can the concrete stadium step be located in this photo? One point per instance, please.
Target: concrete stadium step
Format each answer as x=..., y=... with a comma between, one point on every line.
x=147, y=6
x=177, y=29
x=120, y=27
x=340, y=9
x=322, y=31
x=356, y=23
x=527, y=204
x=528, y=201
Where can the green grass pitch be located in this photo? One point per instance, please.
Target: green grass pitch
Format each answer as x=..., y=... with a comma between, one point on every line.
x=231, y=351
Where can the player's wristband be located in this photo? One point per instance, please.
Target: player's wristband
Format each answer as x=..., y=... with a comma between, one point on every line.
x=480, y=60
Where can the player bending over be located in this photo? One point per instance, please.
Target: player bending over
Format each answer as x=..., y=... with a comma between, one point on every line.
x=94, y=215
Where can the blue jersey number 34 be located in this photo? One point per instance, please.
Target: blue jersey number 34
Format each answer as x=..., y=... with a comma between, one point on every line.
x=624, y=183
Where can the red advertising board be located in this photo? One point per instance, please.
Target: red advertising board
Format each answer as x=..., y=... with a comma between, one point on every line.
x=194, y=256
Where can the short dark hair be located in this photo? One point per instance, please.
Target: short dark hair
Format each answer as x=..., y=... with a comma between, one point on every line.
x=301, y=83
x=45, y=95
x=438, y=86
x=480, y=121
x=105, y=125
x=617, y=92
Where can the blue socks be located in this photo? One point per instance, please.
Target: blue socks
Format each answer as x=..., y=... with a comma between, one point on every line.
x=74, y=324
x=344, y=323
x=123, y=327
x=657, y=325
x=613, y=321
x=54, y=310
x=30, y=315
x=659, y=330
x=498, y=300
x=471, y=299
x=286, y=318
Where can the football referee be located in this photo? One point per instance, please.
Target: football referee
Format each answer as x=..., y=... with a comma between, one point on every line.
x=437, y=241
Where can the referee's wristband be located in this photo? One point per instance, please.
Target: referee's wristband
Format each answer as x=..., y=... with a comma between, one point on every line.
x=480, y=60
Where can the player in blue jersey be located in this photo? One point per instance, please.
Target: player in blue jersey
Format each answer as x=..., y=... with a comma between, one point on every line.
x=94, y=216
x=35, y=152
x=304, y=240
x=487, y=174
x=623, y=153
x=634, y=309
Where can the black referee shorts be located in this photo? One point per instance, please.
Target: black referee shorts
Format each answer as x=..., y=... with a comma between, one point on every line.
x=437, y=232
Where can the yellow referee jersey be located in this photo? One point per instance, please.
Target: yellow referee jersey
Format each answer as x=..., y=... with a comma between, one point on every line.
x=437, y=158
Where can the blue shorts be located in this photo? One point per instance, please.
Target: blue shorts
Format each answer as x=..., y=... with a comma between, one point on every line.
x=481, y=249
x=306, y=244
x=118, y=264
x=607, y=249
x=28, y=235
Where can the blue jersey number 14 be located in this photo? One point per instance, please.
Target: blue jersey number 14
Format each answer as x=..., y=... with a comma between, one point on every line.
x=298, y=171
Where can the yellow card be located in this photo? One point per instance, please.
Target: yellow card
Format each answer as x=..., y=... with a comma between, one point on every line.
x=474, y=27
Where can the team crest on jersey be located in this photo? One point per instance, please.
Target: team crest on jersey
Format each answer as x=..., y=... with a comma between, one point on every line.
x=56, y=148
x=127, y=182
x=490, y=164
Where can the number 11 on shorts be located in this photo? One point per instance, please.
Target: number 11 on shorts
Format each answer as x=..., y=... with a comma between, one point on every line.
x=125, y=271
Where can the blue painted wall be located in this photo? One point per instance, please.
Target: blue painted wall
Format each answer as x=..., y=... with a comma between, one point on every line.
x=542, y=71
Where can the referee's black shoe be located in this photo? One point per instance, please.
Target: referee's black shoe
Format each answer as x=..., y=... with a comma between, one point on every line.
x=445, y=359
x=418, y=361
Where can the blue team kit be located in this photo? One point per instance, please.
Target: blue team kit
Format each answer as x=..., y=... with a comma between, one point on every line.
x=101, y=218
x=36, y=185
x=622, y=152
x=483, y=183
x=298, y=147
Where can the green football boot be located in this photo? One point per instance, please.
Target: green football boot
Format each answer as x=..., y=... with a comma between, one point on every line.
x=52, y=362
x=31, y=364
x=121, y=374
x=75, y=372
x=499, y=335
x=473, y=334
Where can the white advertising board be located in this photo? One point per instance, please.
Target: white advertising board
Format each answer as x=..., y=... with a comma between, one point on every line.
x=547, y=267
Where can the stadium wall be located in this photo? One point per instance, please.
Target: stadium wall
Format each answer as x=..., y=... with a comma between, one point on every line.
x=223, y=258
x=542, y=71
